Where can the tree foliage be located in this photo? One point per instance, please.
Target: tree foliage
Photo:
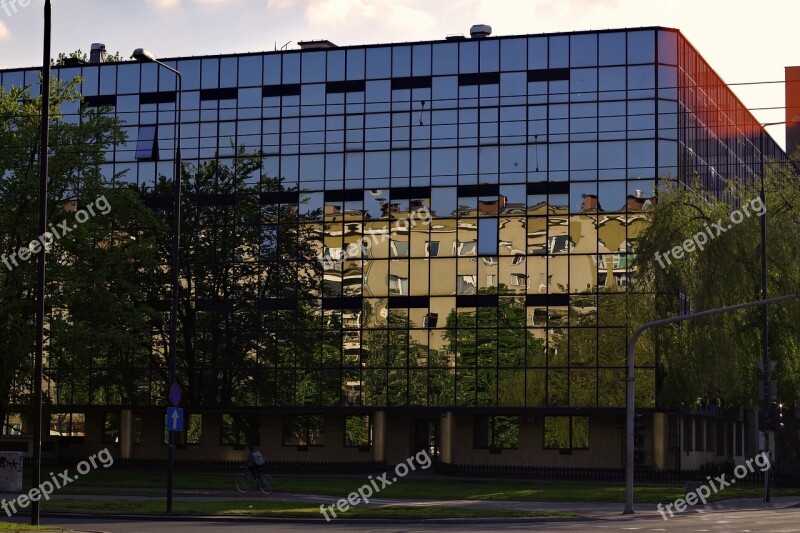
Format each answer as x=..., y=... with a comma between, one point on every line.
x=237, y=253
x=715, y=360
x=97, y=317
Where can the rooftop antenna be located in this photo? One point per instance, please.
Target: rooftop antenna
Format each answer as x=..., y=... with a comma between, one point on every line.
x=286, y=45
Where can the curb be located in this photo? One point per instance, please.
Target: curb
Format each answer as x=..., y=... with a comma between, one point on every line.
x=302, y=520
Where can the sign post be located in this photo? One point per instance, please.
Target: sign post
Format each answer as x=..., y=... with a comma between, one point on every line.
x=174, y=424
x=174, y=419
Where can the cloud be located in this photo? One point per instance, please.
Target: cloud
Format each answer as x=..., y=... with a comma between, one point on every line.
x=402, y=14
x=168, y=4
x=3, y=30
x=162, y=4
x=282, y=4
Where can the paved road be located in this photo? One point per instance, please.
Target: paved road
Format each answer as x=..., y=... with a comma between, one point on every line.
x=745, y=514
x=772, y=520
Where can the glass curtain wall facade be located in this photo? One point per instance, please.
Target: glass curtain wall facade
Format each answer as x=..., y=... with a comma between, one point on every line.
x=474, y=207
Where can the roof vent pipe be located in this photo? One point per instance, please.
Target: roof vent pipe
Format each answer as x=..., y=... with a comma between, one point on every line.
x=480, y=31
x=98, y=53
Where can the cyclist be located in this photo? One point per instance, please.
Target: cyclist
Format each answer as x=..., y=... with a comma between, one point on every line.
x=254, y=462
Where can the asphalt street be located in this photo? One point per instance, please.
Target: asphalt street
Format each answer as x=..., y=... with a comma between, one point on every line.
x=738, y=515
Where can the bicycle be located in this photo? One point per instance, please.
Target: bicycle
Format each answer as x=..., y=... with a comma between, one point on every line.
x=245, y=480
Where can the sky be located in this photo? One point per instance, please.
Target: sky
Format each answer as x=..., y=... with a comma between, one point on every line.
x=743, y=41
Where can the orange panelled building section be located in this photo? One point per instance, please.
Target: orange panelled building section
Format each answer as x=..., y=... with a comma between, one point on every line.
x=792, y=109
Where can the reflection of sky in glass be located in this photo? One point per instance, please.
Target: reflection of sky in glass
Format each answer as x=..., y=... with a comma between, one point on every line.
x=487, y=236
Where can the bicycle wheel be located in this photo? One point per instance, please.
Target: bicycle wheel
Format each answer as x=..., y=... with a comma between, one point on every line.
x=243, y=482
x=266, y=484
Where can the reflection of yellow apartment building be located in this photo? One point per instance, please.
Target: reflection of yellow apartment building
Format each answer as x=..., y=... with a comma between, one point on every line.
x=425, y=265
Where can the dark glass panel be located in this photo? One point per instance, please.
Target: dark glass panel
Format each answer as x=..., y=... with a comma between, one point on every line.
x=583, y=50
x=445, y=58
x=668, y=47
x=612, y=48
x=228, y=75
x=210, y=78
x=559, y=51
x=250, y=68
x=641, y=47
x=421, y=60
x=489, y=55
x=355, y=64
x=272, y=69
x=379, y=63
x=90, y=80
x=190, y=70
x=401, y=61
x=108, y=79
x=468, y=57
x=291, y=68
x=537, y=53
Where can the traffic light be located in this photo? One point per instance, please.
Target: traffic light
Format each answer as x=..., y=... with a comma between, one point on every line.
x=770, y=419
x=775, y=417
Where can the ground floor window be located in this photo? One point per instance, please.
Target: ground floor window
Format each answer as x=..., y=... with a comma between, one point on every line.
x=240, y=430
x=13, y=425
x=566, y=432
x=110, y=428
x=358, y=431
x=496, y=432
x=68, y=424
x=304, y=430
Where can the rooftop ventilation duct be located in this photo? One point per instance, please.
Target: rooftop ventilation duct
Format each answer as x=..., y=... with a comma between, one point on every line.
x=316, y=45
x=98, y=53
x=480, y=31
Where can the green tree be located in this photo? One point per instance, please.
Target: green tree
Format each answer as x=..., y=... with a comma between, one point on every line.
x=715, y=360
x=96, y=315
x=82, y=57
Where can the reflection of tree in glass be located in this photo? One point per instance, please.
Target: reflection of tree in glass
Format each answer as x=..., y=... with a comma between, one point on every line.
x=389, y=355
x=96, y=273
x=487, y=341
x=249, y=269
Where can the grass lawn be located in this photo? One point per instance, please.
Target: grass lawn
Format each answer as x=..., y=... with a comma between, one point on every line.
x=6, y=526
x=267, y=508
x=437, y=488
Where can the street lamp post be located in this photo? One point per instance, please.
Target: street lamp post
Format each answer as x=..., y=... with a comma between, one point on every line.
x=766, y=369
x=44, y=148
x=764, y=312
x=140, y=54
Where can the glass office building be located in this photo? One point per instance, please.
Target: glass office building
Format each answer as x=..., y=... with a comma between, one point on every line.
x=463, y=215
